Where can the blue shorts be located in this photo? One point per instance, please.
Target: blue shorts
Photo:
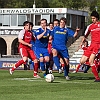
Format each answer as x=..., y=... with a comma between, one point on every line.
x=41, y=52
x=62, y=51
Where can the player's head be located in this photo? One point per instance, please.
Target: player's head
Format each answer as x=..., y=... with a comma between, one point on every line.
x=94, y=16
x=56, y=22
x=85, y=43
x=26, y=25
x=43, y=23
x=31, y=25
x=63, y=21
x=51, y=25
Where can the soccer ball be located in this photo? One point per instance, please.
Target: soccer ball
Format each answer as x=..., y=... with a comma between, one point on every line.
x=49, y=78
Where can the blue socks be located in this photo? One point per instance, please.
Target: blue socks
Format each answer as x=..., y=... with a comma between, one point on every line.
x=42, y=66
x=56, y=61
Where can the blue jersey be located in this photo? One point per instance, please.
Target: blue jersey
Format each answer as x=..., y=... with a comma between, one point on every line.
x=42, y=42
x=61, y=35
x=33, y=42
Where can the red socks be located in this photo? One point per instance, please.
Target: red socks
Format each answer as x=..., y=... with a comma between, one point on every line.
x=78, y=67
x=20, y=62
x=35, y=68
x=95, y=72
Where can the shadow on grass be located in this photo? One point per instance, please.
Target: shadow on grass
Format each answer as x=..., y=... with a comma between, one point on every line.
x=81, y=78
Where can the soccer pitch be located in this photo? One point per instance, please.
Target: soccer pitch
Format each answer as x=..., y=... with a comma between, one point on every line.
x=22, y=86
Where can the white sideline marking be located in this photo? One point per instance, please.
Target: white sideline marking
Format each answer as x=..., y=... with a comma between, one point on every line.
x=42, y=79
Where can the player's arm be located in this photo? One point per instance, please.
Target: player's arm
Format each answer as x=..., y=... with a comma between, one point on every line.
x=71, y=33
x=20, y=38
x=87, y=32
x=51, y=36
x=76, y=32
x=25, y=43
x=39, y=36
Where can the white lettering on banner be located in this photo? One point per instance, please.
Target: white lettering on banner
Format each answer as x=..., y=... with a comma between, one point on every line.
x=7, y=32
x=32, y=10
x=6, y=65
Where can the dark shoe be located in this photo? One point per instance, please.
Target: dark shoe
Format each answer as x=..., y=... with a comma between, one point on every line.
x=97, y=80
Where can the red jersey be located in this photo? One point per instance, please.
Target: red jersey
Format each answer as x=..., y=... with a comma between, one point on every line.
x=94, y=30
x=27, y=36
x=84, y=48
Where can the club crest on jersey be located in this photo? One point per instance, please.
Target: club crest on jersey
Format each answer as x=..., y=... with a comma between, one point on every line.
x=44, y=36
x=65, y=31
x=37, y=30
x=47, y=34
x=40, y=55
x=98, y=25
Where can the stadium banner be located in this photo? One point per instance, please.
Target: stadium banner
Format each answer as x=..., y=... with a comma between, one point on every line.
x=32, y=10
x=10, y=64
x=73, y=67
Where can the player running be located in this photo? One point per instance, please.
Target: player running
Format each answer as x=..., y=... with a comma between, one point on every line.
x=25, y=36
x=60, y=38
x=41, y=43
x=90, y=53
x=86, y=64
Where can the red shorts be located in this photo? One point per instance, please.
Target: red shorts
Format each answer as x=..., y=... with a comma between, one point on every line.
x=27, y=53
x=92, y=49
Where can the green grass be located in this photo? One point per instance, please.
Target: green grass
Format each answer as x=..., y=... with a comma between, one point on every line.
x=22, y=86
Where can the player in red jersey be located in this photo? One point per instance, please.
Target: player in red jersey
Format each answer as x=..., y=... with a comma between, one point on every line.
x=92, y=50
x=50, y=48
x=84, y=47
x=25, y=37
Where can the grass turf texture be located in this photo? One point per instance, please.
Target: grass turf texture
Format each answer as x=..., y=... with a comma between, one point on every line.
x=22, y=86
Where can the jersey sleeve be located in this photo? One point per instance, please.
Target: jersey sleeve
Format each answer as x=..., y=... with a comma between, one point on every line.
x=34, y=32
x=51, y=33
x=38, y=32
x=54, y=30
x=70, y=32
x=87, y=31
x=21, y=34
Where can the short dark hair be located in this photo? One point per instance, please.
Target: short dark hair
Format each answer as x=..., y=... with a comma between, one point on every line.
x=31, y=24
x=95, y=14
x=50, y=23
x=26, y=22
x=64, y=19
x=43, y=20
x=85, y=41
x=56, y=20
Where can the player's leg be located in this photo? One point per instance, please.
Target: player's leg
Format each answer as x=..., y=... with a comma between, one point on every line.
x=82, y=61
x=42, y=65
x=62, y=62
x=39, y=55
x=65, y=56
x=35, y=66
x=51, y=63
x=24, y=55
x=87, y=68
x=66, y=69
x=94, y=67
x=56, y=60
x=46, y=58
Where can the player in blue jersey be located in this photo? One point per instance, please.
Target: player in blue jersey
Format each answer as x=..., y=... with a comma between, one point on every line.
x=34, y=33
x=41, y=44
x=33, y=43
x=56, y=22
x=60, y=38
